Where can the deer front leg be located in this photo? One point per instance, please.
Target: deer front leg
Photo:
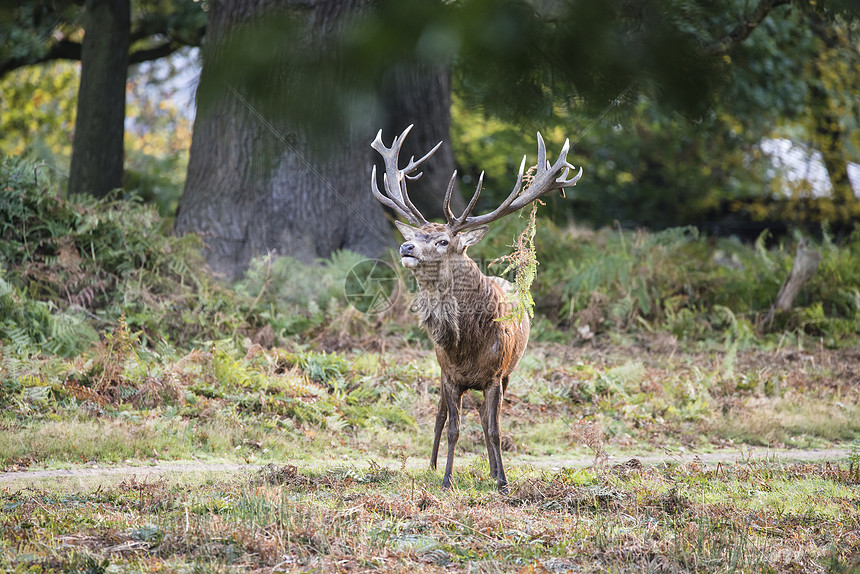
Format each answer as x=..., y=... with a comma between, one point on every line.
x=453, y=396
x=493, y=400
x=482, y=410
x=441, y=418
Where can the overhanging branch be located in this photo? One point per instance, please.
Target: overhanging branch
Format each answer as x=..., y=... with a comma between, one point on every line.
x=743, y=30
x=62, y=50
x=154, y=53
x=67, y=50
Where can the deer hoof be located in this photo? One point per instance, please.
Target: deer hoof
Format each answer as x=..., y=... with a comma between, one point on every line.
x=503, y=489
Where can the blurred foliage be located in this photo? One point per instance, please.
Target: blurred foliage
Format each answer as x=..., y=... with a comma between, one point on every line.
x=647, y=164
x=37, y=112
x=43, y=31
x=295, y=298
x=642, y=166
x=30, y=29
x=510, y=58
x=158, y=134
x=514, y=59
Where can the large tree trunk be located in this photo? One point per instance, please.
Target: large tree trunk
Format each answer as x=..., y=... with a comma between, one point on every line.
x=422, y=95
x=255, y=185
x=97, y=154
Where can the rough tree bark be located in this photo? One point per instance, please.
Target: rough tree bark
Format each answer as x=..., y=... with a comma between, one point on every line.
x=97, y=155
x=254, y=185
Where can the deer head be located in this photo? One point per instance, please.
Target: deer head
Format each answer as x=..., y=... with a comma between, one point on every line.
x=429, y=245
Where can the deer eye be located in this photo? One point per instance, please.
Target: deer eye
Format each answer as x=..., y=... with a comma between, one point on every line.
x=442, y=242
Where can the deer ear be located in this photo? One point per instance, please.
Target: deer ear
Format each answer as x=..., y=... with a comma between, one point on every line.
x=406, y=230
x=471, y=237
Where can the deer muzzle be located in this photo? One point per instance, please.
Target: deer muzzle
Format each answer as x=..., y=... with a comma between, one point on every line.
x=407, y=255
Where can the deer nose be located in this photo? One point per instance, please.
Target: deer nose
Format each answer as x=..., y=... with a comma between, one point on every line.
x=406, y=249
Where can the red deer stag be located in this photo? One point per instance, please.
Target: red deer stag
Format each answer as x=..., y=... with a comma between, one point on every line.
x=462, y=309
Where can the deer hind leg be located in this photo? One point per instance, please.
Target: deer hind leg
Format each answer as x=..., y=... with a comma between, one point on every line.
x=453, y=397
x=493, y=401
x=482, y=410
x=441, y=418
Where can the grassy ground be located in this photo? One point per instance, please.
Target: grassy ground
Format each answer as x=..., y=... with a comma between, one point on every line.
x=355, y=495
x=563, y=400
x=753, y=516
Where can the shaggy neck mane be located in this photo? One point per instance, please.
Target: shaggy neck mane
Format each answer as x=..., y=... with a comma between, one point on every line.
x=456, y=304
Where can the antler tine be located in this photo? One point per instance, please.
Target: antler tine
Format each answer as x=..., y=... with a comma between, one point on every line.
x=419, y=218
x=456, y=223
x=391, y=202
x=446, y=203
x=541, y=161
x=466, y=221
x=547, y=178
x=413, y=164
x=395, y=178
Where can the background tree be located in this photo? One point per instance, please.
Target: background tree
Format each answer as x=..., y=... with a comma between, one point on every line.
x=120, y=33
x=97, y=156
x=280, y=157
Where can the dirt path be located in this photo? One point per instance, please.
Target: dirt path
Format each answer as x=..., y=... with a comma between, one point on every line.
x=161, y=468
x=727, y=456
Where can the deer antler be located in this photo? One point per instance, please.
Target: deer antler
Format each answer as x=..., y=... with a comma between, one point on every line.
x=395, y=178
x=547, y=178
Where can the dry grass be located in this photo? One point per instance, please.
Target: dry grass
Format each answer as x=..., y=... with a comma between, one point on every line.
x=348, y=519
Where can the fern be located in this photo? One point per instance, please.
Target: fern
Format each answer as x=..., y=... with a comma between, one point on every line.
x=762, y=252
x=82, y=393
x=19, y=339
x=231, y=373
x=70, y=335
x=97, y=258
x=295, y=384
x=134, y=370
x=323, y=367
